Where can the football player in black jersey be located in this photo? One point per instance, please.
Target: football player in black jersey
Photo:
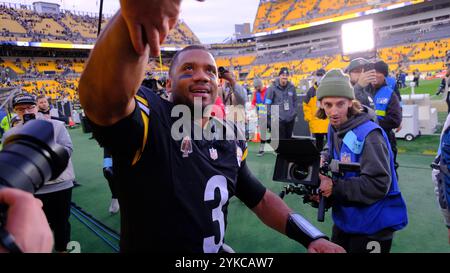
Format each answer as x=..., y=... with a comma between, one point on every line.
x=174, y=192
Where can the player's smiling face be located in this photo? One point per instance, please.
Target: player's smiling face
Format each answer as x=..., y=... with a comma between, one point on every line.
x=195, y=76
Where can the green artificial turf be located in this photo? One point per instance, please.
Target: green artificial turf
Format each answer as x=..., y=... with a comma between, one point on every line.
x=425, y=232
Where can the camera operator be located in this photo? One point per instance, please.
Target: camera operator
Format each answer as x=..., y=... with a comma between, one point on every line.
x=55, y=195
x=234, y=97
x=231, y=92
x=26, y=222
x=367, y=206
x=440, y=175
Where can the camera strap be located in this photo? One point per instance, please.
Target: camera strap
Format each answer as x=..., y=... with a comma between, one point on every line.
x=8, y=241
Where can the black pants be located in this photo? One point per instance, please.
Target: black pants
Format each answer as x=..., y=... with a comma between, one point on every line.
x=447, y=100
x=57, y=210
x=320, y=138
x=112, y=187
x=286, y=128
x=355, y=243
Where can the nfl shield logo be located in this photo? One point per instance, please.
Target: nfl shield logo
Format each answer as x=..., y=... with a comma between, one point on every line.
x=239, y=155
x=186, y=146
x=213, y=153
x=346, y=157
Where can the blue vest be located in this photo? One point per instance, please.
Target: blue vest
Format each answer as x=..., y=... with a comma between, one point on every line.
x=260, y=106
x=381, y=99
x=391, y=82
x=444, y=153
x=389, y=212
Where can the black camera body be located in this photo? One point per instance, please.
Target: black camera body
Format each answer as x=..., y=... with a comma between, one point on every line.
x=222, y=70
x=298, y=163
x=369, y=66
x=32, y=157
x=28, y=117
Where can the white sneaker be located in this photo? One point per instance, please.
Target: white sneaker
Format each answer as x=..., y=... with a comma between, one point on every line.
x=114, y=207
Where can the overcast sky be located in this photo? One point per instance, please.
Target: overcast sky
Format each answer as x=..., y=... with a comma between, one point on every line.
x=212, y=21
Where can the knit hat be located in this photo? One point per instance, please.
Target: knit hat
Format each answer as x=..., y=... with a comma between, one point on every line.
x=283, y=70
x=257, y=82
x=356, y=63
x=335, y=84
x=320, y=72
x=382, y=68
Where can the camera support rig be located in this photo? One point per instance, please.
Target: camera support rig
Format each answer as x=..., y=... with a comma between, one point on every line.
x=298, y=163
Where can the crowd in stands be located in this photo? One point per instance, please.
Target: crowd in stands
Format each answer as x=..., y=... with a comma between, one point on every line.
x=427, y=57
x=27, y=25
x=272, y=15
x=57, y=77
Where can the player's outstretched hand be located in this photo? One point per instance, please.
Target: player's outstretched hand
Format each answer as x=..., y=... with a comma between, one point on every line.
x=149, y=21
x=324, y=246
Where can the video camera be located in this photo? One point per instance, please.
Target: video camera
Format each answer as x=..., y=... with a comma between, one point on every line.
x=222, y=71
x=298, y=163
x=369, y=66
x=30, y=158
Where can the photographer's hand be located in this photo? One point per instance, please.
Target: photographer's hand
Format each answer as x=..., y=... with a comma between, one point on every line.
x=228, y=76
x=326, y=185
x=324, y=246
x=26, y=221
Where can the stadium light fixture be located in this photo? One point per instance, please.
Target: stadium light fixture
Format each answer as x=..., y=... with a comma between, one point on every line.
x=358, y=38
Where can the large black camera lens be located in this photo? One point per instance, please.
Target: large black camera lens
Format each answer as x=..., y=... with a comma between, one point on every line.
x=298, y=172
x=31, y=157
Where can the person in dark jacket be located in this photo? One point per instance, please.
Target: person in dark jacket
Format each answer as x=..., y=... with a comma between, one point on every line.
x=367, y=205
x=444, y=86
x=283, y=94
x=387, y=106
x=361, y=80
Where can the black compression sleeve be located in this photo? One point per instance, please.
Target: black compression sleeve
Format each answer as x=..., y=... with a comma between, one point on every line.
x=299, y=229
x=249, y=190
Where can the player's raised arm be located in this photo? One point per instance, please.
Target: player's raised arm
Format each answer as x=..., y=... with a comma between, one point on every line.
x=112, y=76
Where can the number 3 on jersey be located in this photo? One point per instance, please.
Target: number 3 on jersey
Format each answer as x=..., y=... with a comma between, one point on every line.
x=220, y=182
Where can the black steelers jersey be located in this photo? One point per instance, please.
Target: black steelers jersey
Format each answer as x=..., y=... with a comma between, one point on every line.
x=174, y=192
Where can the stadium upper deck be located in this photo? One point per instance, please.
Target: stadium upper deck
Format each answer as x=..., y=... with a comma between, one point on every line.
x=277, y=14
x=416, y=37
x=24, y=24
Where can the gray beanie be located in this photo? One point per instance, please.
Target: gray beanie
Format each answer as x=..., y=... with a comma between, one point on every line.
x=356, y=63
x=335, y=84
x=257, y=82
